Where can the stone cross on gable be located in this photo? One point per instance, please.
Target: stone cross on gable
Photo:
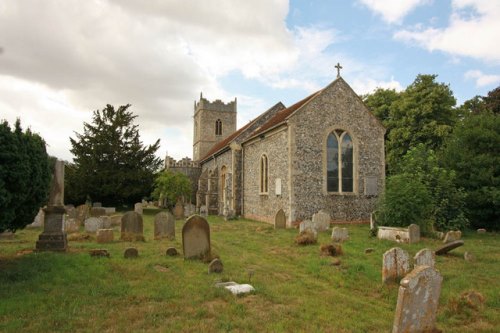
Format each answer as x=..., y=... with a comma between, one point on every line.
x=338, y=69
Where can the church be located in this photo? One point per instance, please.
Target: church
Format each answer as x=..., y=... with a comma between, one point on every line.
x=325, y=152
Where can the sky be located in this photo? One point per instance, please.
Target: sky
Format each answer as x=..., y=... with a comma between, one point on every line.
x=60, y=60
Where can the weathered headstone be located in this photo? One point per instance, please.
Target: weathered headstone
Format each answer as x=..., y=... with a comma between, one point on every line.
x=308, y=225
x=132, y=227
x=280, y=220
x=469, y=256
x=99, y=253
x=448, y=247
x=401, y=235
x=452, y=236
x=97, y=211
x=71, y=225
x=322, y=220
x=340, y=234
x=179, y=211
x=38, y=222
x=413, y=233
x=97, y=204
x=106, y=222
x=189, y=209
x=172, y=252
x=418, y=301
x=138, y=208
x=424, y=257
x=395, y=264
x=203, y=210
x=196, y=238
x=164, y=226
x=82, y=213
x=116, y=219
x=481, y=231
x=110, y=210
x=131, y=252
x=71, y=211
x=104, y=235
x=215, y=266
x=92, y=224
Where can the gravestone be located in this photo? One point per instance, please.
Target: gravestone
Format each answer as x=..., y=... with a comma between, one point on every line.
x=132, y=227
x=215, y=266
x=280, y=220
x=71, y=225
x=116, y=219
x=106, y=222
x=97, y=204
x=424, y=257
x=138, y=208
x=196, y=238
x=179, y=211
x=92, y=224
x=164, y=226
x=203, y=210
x=448, y=247
x=189, y=209
x=110, y=210
x=131, y=252
x=395, y=264
x=414, y=233
x=418, y=300
x=104, y=236
x=38, y=221
x=308, y=225
x=481, y=231
x=340, y=234
x=171, y=252
x=82, y=213
x=322, y=220
x=97, y=211
x=452, y=236
x=70, y=211
x=53, y=237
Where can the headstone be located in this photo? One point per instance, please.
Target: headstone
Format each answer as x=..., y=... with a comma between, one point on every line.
x=110, y=210
x=99, y=253
x=452, y=236
x=189, y=209
x=372, y=221
x=97, y=204
x=7, y=235
x=469, y=256
x=106, y=222
x=424, y=257
x=71, y=211
x=116, y=219
x=164, y=226
x=395, y=264
x=97, y=212
x=481, y=231
x=131, y=252
x=53, y=237
x=414, y=233
x=203, y=210
x=280, y=220
x=179, y=211
x=418, y=300
x=92, y=224
x=215, y=266
x=104, y=236
x=82, y=213
x=138, y=208
x=322, y=220
x=308, y=225
x=132, y=227
x=172, y=252
x=38, y=222
x=448, y=247
x=196, y=238
x=71, y=225
x=340, y=234
x=369, y=250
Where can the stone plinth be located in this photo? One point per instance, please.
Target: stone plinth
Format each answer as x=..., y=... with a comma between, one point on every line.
x=401, y=235
x=53, y=237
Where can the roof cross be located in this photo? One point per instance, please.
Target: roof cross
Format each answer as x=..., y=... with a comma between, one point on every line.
x=338, y=69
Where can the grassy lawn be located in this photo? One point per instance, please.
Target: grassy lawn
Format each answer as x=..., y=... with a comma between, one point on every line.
x=297, y=290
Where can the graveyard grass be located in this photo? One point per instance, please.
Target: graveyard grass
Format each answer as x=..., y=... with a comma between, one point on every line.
x=297, y=290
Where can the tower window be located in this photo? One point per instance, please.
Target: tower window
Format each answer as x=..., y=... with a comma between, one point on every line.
x=218, y=127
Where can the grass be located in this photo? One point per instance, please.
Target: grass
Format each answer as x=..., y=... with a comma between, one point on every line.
x=296, y=289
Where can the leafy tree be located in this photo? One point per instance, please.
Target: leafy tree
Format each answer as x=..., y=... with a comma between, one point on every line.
x=111, y=164
x=380, y=103
x=172, y=186
x=492, y=101
x=424, y=114
x=24, y=176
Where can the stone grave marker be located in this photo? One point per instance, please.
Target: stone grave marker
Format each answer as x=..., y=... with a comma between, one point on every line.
x=97, y=212
x=179, y=211
x=132, y=227
x=395, y=264
x=308, y=225
x=280, y=220
x=481, y=231
x=104, y=236
x=110, y=210
x=71, y=225
x=424, y=257
x=448, y=247
x=340, y=234
x=70, y=211
x=138, y=208
x=92, y=224
x=215, y=266
x=131, y=252
x=171, y=252
x=452, y=236
x=414, y=233
x=97, y=204
x=322, y=220
x=203, y=210
x=116, y=219
x=196, y=238
x=418, y=300
x=38, y=221
x=189, y=209
x=164, y=226
x=106, y=222
x=82, y=213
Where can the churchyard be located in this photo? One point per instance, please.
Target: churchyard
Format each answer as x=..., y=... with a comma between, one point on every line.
x=296, y=289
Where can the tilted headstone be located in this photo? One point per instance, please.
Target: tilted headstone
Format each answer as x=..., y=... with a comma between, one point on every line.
x=92, y=224
x=448, y=247
x=104, y=236
x=97, y=211
x=322, y=220
x=196, y=238
x=395, y=264
x=164, y=226
x=424, y=257
x=132, y=227
x=131, y=252
x=418, y=300
x=138, y=208
x=179, y=211
x=340, y=234
x=452, y=236
x=280, y=220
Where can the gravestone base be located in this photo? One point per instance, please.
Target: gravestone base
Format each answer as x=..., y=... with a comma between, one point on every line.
x=53, y=237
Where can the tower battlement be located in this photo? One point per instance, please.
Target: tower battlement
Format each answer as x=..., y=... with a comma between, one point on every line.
x=217, y=105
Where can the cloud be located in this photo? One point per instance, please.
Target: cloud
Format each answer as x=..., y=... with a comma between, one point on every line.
x=472, y=32
x=393, y=11
x=368, y=85
x=482, y=79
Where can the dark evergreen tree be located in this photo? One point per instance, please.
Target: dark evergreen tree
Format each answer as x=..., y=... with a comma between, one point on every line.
x=24, y=176
x=111, y=164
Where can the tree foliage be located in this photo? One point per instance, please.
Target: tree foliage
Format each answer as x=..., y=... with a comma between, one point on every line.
x=172, y=186
x=24, y=176
x=111, y=164
x=380, y=102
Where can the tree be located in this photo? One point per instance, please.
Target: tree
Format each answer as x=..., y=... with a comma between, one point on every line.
x=492, y=101
x=424, y=114
x=172, y=186
x=24, y=176
x=111, y=164
x=380, y=102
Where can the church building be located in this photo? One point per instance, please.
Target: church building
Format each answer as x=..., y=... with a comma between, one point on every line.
x=325, y=152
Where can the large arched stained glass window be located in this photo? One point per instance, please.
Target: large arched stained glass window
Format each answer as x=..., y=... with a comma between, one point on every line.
x=339, y=162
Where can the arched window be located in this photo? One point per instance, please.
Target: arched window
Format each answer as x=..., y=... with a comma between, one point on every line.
x=339, y=162
x=264, y=174
x=218, y=127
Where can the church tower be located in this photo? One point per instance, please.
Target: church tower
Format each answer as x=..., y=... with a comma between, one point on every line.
x=213, y=122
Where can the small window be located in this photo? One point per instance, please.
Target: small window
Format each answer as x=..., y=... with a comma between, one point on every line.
x=264, y=174
x=218, y=127
x=339, y=162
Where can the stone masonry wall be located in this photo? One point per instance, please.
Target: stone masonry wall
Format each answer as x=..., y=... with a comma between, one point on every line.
x=217, y=164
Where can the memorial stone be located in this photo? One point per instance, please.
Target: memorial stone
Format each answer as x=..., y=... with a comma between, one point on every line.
x=132, y=227
x=179, y=211
x=164, y=226
x=138, y=208
x=424, y=257
x=340, y=234
x=322, y=220
x=196, y=238
x=104, y=236
x=280, y=220
x=395, y=264
x=92, y=224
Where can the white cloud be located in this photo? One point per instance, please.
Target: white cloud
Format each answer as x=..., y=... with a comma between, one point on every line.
x=482, y=79
x=393, y=11
x=364, y=85
x=473, y=31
